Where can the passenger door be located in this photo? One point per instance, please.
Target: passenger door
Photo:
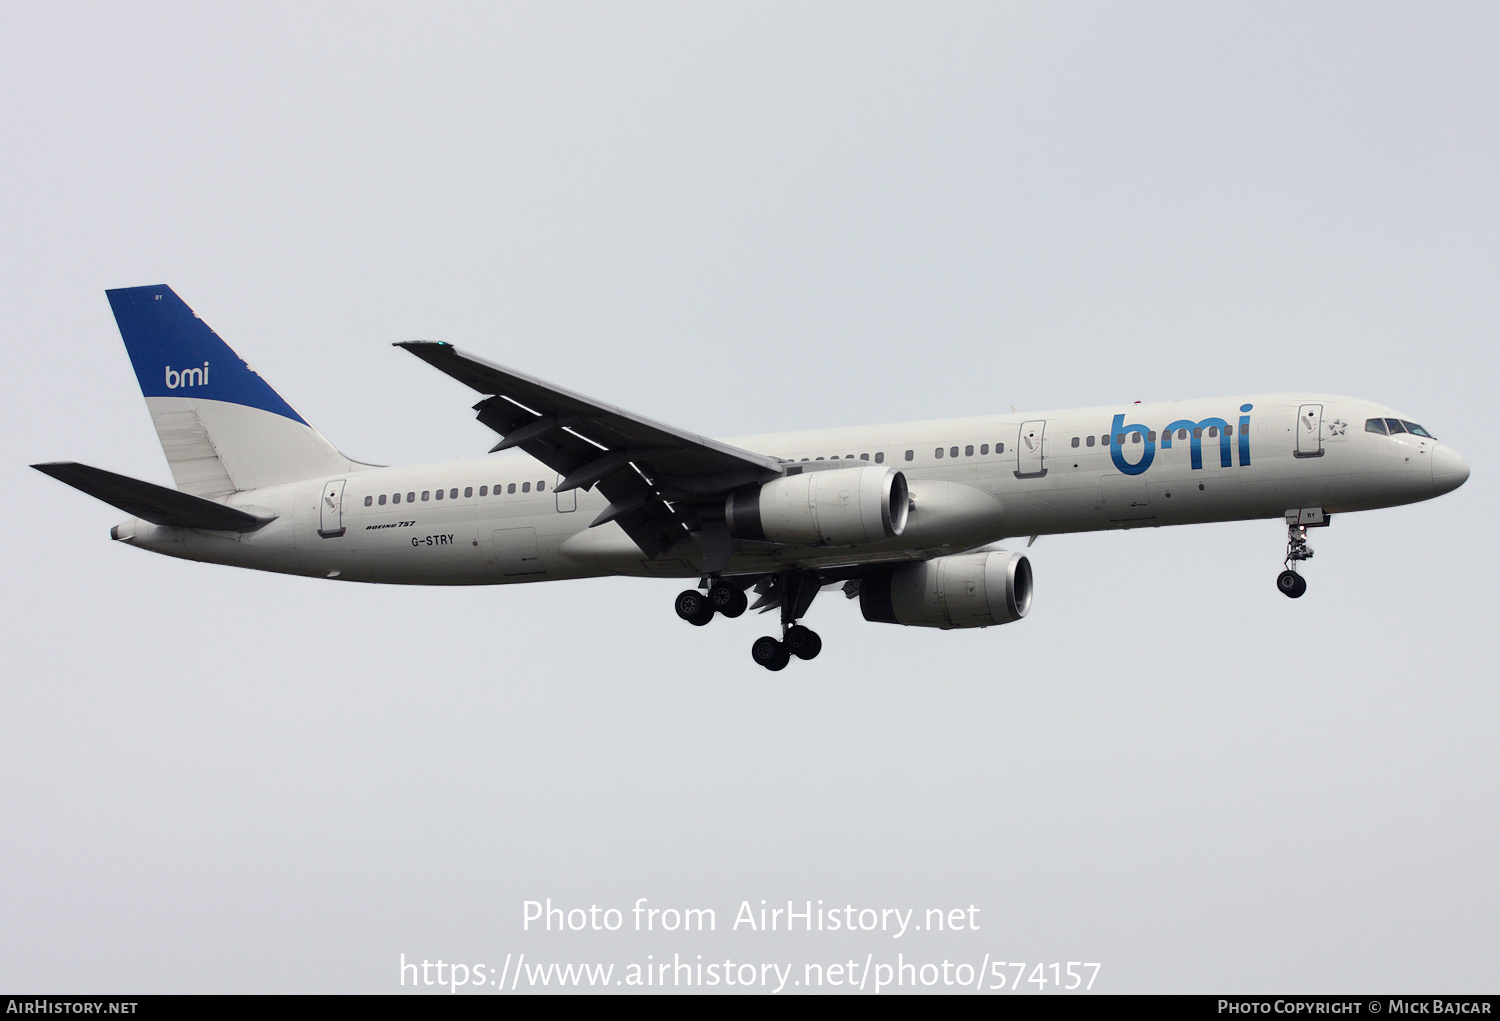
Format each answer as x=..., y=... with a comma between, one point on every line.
x=1029, y=456
x=1310, y=431
x=331, y=510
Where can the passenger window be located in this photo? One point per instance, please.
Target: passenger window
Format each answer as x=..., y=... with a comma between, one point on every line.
x=511, y=488
x=864, y=457
x=526, y=487
x=1151, y=435
x=396, y=498
x=1104, y=441
x=819, y=459
x=382, y=499
x=1375, y=425
x=908, y=455
x=1120, y=439
x=1395, y=426
x=953, y=452
x=1182, y=434
x=453, y=494
x=425, y=494
x=1198, y=433
x=1229, y=430
x=1213, y=432
x=849, y=456
x=880, y=457
x=439, y=495
x=541, y=485
x=1088, y=441
x=484, y=490
x=1075, y=441
x=984, y=448
x=999, y=448
x=804, y=459
x=1135, y=437
x=938, y=452
x=468, y=492
x=369, y=500
x=412, y=497
x=969, y=450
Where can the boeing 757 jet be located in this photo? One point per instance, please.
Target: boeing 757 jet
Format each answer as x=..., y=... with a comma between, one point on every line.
x=906, y=518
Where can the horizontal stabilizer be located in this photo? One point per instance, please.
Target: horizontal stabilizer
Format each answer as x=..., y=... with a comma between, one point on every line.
x=150, y=502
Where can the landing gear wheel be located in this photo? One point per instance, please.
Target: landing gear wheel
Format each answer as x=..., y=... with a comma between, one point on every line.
x=728, y=600
x=694, y=608
x=803, y=642
x=770, y=653
x=1292, y=584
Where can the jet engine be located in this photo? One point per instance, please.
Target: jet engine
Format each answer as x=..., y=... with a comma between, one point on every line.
x=838, y=507
x=964, y=590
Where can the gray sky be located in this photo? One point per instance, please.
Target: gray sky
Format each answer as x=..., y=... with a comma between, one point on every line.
x=739, y=219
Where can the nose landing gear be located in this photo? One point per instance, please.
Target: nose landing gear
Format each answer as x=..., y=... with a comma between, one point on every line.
x=1292, y=584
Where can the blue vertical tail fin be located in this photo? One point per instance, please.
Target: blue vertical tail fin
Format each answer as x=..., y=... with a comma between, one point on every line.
x=222, y=427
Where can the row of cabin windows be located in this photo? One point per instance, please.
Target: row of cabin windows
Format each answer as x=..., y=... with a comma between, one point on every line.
x=879, y=457
x=1087, y=441
x=452, y=494
x=1135, y=436
x=984, y=448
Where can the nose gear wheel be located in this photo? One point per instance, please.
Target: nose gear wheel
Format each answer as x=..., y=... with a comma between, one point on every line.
x=1292, y=584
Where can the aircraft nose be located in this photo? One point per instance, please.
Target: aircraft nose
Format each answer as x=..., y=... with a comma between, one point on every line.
x=1449, y=469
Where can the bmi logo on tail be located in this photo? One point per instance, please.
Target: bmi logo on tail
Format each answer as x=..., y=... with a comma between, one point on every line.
x=187, y=377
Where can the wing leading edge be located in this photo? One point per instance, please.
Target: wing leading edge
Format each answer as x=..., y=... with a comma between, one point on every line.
x=661, y=482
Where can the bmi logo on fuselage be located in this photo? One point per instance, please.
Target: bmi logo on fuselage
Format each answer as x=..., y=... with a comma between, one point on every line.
x=187, y=377
x=1195, y=431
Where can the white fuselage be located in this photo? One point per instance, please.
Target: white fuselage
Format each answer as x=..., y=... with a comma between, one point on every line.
x=973, y=482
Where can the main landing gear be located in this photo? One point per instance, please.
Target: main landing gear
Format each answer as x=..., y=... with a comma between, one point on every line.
x=799, y=641
x=1292, y=584
x=699, y=608
x=792, y=591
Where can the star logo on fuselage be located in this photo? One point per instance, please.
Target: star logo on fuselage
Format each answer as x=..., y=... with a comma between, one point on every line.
x=1337, y=427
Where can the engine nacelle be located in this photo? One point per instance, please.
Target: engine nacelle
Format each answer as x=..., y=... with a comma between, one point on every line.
x=966, y=590
x=839, y=507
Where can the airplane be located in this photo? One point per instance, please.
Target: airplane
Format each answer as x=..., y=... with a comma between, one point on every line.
x=907, y=518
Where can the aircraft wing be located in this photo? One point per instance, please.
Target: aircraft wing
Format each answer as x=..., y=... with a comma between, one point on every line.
x=654, y=476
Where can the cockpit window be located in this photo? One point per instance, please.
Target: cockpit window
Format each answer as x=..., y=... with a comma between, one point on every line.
x=1395, y=427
